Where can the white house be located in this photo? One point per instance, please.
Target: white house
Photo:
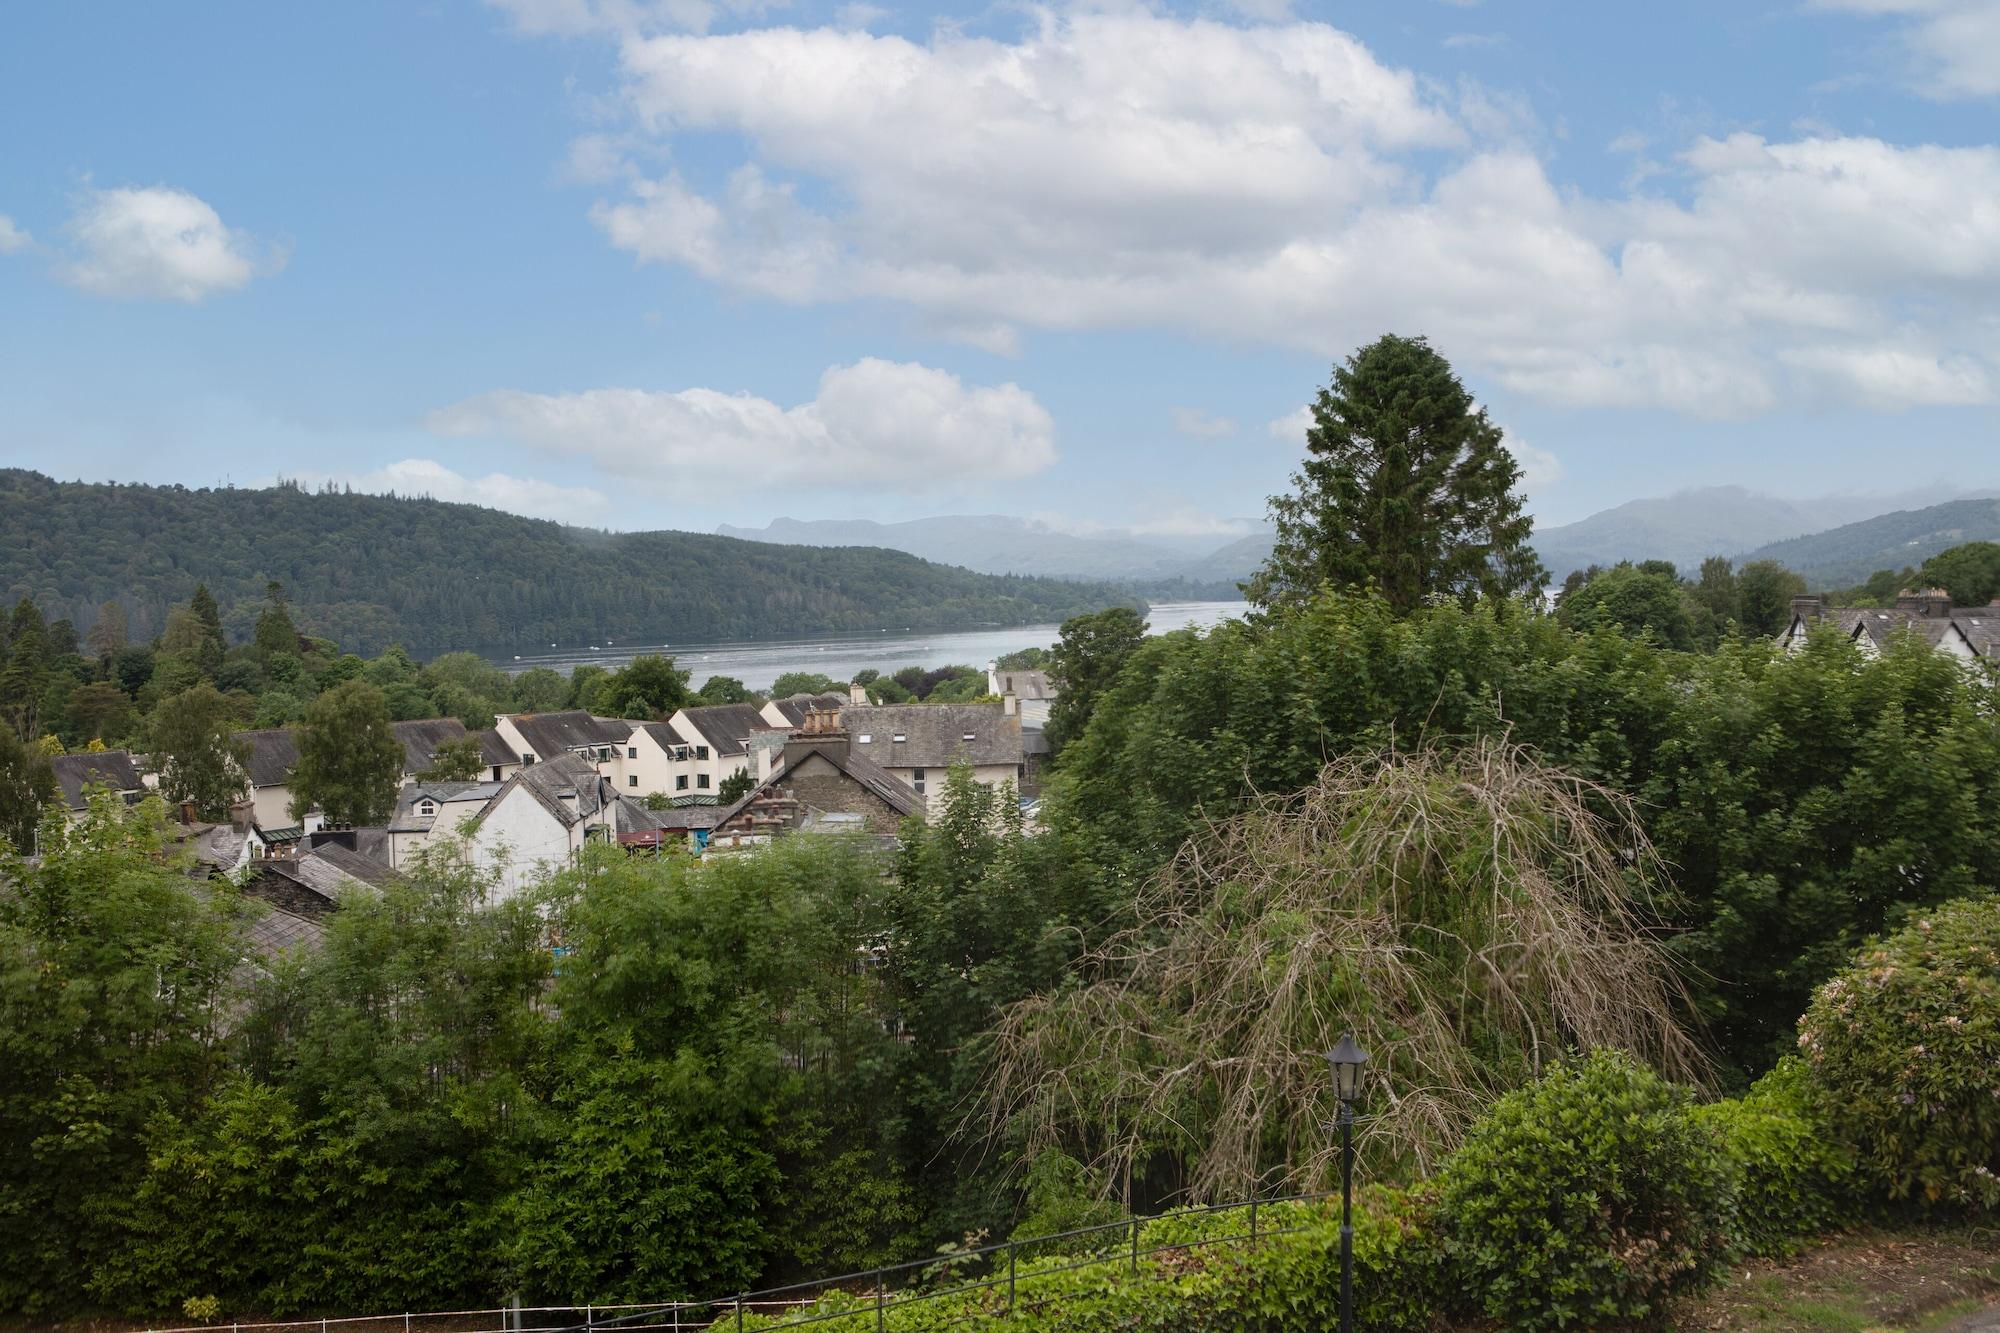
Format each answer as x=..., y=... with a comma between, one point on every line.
x=539, y=819
x=1033, y=689
x=917, y=743
x=428, y=810
x=1964, y=632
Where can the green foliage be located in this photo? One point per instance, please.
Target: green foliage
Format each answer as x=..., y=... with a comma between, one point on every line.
x=113, y=967
x=649, y=686
x=735, y=786
x=458, y=760
x=1061, y=1196
x=1970, y=573
x=200, y=756
x=27, y=785
x=276, y=634
x=1406, y=486
x=1590, y=1196
x=724, y=690
x=1902, y=1047
x=805, y=682
x=1793, y=1174
x=370, y=570
x=1024, y=659
x=1847, y=554
x=1804, y=799
x=1084, y=664
x=350, y=762
x=540, y=690
x=1632, y=601
x=1764, y=595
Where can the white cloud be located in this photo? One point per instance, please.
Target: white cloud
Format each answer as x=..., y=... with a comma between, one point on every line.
x=1540, y=469
x=1952, y=47
x=1292, y=427
x=1201, y=424
x=575, y=18
x=579, y=505
x=158, y=243
x=1280, y=184
x=1887, y=375
x=12, y=237
x=872, y=424
x=1462, y=41
x=860, y=15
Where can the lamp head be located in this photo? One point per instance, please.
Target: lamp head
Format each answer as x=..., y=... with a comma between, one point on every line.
x=1350, y=1068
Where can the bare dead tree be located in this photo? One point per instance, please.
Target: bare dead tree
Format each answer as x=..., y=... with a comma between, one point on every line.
x=1470, y=913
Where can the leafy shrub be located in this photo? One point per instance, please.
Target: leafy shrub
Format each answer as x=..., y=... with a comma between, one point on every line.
x=1197, y=1273
x=1791, y=1173
x=1589, y=1196
x=1902, y=1048
x=1061, y=1198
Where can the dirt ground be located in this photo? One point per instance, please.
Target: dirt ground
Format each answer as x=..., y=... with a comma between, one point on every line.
x=1942, y=1280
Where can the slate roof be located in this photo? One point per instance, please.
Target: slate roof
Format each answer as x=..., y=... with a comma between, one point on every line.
x=728, y=727
x=934, y=735
x=1880, y=624
x=369, y=841
x=330, y=872
x=421, y=739
x=552, y=734
x=407, y=817
x=274, y=753
x=493, y=750
x=547, y=780
x=1026, y=684
x=873, y=778
x=796, y=706
x=112, y=768
x=275, y=931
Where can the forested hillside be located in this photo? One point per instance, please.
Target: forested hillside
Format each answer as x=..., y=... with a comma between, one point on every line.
x=1848, y=555
x=369, y=570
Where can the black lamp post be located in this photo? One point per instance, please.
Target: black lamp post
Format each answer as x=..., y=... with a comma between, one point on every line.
x=1350, y=1080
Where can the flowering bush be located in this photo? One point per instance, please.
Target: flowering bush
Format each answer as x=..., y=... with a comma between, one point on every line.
x=1903, y=1048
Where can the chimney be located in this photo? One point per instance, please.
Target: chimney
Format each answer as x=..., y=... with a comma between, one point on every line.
x=822, y=731
x=1009, y=704
x=187, y=812
x=857, y=694
x=1811, y=607
x=242, y=815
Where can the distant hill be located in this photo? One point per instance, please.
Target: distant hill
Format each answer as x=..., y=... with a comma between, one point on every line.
x=371, y=570
x=1691, y=525
x=1845, y=556
x=998, y=544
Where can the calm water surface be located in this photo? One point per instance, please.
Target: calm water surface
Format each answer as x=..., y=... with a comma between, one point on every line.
x=758, y=663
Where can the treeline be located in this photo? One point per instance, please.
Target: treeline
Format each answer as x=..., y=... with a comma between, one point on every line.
x=369, y=571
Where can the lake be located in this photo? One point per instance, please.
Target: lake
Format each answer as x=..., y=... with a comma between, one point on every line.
x=758, y=663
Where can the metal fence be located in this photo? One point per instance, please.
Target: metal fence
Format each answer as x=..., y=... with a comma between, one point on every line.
x=872, y=1294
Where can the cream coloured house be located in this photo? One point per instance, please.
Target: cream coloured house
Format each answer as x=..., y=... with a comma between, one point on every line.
x=919, y=743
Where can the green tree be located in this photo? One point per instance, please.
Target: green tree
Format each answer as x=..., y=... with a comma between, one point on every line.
x=209, y=615
x=735, y=787
x=99, y=709
x=805, y=682
x=1407, y=484
x=275, y=631
x=27, y=785
x=350, y=761
x=1765, y=590
x=1631, y=600
x=113, y=973
x=540, y=690
x=1084, y=664
x=201, y=758
x=459, y=760
x=649, y=686
x=1969, y=572
x=108, y=635
x=724, y=690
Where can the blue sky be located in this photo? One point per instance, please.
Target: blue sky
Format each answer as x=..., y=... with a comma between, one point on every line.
x=645, y=263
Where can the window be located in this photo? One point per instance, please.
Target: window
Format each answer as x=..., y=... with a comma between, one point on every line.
x=681, y=782
x=701, y=752
x=681, y=753
x=864, y=738
x=527, y=758
x=701, y=780
x=427, y=808
x=899, y=738
x=631, y=752
x=968, y=736
x=632, y=780
x=917, y=780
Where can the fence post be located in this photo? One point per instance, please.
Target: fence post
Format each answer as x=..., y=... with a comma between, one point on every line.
x=589, y=1317
x=1253, y=1224
x=406, y=1321
x=739, y=1314
x=1135, y=1245
x=881, y=1300
x=1013, y=1248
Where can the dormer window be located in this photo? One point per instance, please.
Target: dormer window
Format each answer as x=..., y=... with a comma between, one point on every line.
x=527, y=758
x=899, y=738
x=864, y=737
x=968, y=735
x=427, y=808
